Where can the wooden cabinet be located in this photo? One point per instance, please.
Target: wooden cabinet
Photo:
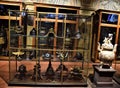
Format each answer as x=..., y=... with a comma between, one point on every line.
x=4, y=22
x=105, y=22
x=4, y=11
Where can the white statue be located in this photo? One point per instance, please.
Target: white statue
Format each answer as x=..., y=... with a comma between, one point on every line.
x=107, y=51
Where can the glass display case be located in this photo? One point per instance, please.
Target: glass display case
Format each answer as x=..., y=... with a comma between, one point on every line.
x=49, y=49
x=105, y=22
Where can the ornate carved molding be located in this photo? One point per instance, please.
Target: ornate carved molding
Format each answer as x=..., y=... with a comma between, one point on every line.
x=109, y=5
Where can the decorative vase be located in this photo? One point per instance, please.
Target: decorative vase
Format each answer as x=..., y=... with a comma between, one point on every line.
x=107, y=52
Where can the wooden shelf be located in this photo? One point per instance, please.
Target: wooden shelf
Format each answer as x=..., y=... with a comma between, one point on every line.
x=108, y=25
x=10, y=3
x=45, y=19
x=7, y=18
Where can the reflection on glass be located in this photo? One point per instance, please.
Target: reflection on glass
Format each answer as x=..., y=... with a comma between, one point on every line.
x=45, y=41
x=118, y=47
x=109, y=18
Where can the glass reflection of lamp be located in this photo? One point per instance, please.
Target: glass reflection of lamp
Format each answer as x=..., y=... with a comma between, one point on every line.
x=17, y=54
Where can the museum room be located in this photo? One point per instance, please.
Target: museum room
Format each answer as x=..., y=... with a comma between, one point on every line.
x=59, y=43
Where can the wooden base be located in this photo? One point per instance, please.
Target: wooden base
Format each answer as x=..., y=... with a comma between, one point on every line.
x=103, y=77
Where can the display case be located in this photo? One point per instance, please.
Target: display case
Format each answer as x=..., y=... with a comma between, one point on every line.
x=41, y=54
x=105, y=22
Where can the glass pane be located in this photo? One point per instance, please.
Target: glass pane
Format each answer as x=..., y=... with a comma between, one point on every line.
x=4, y=9
x=68, y=11
x=105, y=31
x=118, y=47
x=109, y=18
x=45, y=9
x=60, y=34
x=46, y=31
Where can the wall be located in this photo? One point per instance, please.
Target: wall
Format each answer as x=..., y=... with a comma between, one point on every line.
x=87, y=6
x=92, y=4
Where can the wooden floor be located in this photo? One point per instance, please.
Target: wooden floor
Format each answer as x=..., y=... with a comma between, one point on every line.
x=4, y=76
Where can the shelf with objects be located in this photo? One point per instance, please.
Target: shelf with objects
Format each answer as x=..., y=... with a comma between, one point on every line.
x=48, y=57
x=4, y=18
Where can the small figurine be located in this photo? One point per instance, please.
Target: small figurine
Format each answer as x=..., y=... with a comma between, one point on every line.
x=78, y=56
x=37, y=72
x=62, y=55
x=76, y=73
x=19, y=29
x=22, y=71
x=62, y=70
x=50, y=71
x=47, y=56
x=33, y=32
x=27, y=55
x=107, y=52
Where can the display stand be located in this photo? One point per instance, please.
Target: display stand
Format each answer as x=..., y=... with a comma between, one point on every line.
x=103, y=77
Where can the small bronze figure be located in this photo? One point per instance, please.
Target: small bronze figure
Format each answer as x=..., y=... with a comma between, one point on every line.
x=50, y=71
x=37, y=72
x=22, y=71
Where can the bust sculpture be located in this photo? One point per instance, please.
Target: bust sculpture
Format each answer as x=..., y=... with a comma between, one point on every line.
x=107, y=51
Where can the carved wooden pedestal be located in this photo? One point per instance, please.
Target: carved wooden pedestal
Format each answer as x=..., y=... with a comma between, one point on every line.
x=103, y=77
